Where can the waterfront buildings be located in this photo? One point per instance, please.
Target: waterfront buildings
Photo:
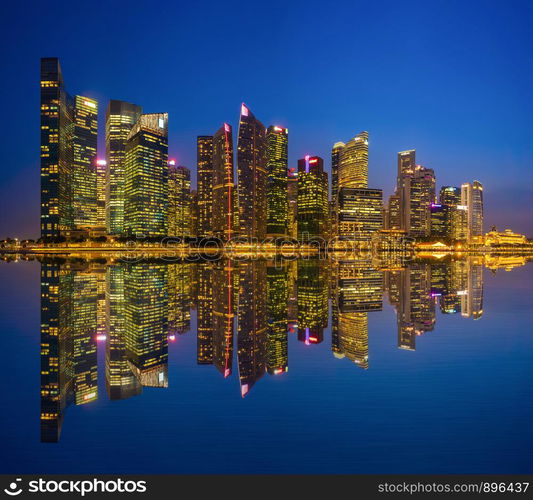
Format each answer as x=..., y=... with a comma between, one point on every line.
x=204, y=178
x=360, y=213
x=146, y=177
x=224, y=220
x=313, y=206
x=277, y=140
x=120, y=118
x=179, y=200
x=252, y=176
x=472, y=199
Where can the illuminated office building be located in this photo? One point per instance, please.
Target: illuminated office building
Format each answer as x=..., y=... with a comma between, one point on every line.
x=146, y=177
x=120, y=118
x=359, y=286
x=439, y=220
x=277, y=140
x=204, y=314
x=292, y=197
x=121, y=383
x=252, y=324
x=472, y=199
x=277, y=317
x=146, y=322
x=224, y=220
x=204, y=179
x=252, y=175
x=179, y=298
x=360, y=213
x=57, y=116
x=393, y=220
x=193, y=225
x=417, y=195
x=179, y=200
x=84, y=177
x=101, y=173
x=313, y=206
x=336, y=152
x=353, y=163
x=352, y=334
x=456, y=214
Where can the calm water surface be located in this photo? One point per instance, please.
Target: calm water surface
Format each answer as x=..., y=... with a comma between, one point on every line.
x=249, y=367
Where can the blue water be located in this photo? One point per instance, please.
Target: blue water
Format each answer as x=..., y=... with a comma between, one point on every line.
x=461, y=402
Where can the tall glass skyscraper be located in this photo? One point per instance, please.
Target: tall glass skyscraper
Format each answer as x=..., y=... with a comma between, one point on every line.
x=252, y=175
x=57, y=116
x=84, y=175
x=204, y=177
x=224, y=221
x=313, y=206
x=120, y=118
x=277, y=166
x=179, y=200
x=353, y=162
x=472, y=199
x=146, y=177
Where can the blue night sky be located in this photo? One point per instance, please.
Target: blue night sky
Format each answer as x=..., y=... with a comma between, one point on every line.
x=452, y=79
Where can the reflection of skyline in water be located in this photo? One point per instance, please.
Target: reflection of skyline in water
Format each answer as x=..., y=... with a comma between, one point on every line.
x=245, y=312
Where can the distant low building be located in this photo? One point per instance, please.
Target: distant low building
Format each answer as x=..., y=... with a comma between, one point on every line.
x=506, y=237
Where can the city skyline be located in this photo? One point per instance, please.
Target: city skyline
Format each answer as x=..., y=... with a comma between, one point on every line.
x=449, y=103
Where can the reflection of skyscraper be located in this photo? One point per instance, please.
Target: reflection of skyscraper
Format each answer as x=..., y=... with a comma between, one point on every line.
x=277, y=317
x=224, y=222
x=146, y=177
x=204, y=314
x=204, y=162
x=56, y=151
x=277, y=164
x=252, y=175
x=120, y=381
x=223, y=315
x=179, y=297
x=416, y=308
x=313, y=206
x=312, y=293
x=120, y=118
x=146, y=322
x=472, y=297
x=252, y=323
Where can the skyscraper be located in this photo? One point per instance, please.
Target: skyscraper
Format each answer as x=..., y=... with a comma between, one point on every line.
x=57, y=115
x=179, y=200
x=146, y=177
x=120, y=118
x=336, y=152
x=472, y=199
x=359, y=213
x=313, y=206
x=101, y=173
x=204, y=178
x=456, y=213
x=292, y=198
x=353, y=163
x=224, y=221
x=277, y=165
x=252, y=176
x=416, y=197
x=83, y=178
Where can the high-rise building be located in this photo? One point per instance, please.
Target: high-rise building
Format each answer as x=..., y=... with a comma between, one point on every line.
x=224, y=220
x=57, y=116
x=120, y=118
x=193, y=226
x=179, y=200
x=360, y=213
x=84, y=176
x=252, y=176
x=416, y=197
x=353, y=163
x=336, y=152
x=277, y=139
x=313, y=206
x=101, y=173
x=393, y=220
x=146, y=177
x=292, y=198
x=472, y=199
x=439, y=220
x=204, y=178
